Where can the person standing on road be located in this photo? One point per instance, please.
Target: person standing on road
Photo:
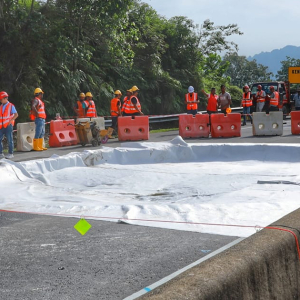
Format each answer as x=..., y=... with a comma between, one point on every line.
x=8, y=114
x=125, y=100
x=274, y=100
x=133, y=106
x=260, y=98
x=224, y=100
x=80, y=107
x=212, y=101
x=115, y=109
x=246, y=103
x=91, y=111
x=38, y=114
x=191, y=101
x=297, y=100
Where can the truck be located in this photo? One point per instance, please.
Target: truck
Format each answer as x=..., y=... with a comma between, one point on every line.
x=285, y=95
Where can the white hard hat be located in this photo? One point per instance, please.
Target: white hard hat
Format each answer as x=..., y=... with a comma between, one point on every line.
x=191, y=89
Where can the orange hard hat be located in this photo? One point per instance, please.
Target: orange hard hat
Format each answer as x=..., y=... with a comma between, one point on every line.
x=228, y=110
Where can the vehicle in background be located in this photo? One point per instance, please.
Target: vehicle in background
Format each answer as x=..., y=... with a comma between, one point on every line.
x=285, y=95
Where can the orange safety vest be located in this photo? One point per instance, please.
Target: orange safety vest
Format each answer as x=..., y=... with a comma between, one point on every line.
x=246, y=101
x=40, y=110
x=212, y=102
x=91, y=112
x=80, y=109
x=6, y=115
x=129, y=107
x=191, y=97
x=114, y=107
x=275, y=101
x=124, y=103
x=259, y=96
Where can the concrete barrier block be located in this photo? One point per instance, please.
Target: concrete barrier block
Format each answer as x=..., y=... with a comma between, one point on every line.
x=267, y=124
x=25, y=136
x=100, y=122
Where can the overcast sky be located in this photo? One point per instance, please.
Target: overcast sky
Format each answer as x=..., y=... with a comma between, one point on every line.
x=266, y=24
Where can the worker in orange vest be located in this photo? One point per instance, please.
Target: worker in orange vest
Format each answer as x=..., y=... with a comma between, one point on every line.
x=246, y=103
x=212, y=103
x=38, y=115
x=260, y=98
x=191, y=101
x=91, y=109
x=8, y=114
x=274, y=100
x=80, y=107
x=133, y=106
x=126, y=98
x=115, y=109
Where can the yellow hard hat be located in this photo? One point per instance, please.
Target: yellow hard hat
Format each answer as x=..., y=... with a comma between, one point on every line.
x=38, y=91
x=88, y=94
x=81, y=95
x=134, y=88
x=117, y=92
x=130, y=90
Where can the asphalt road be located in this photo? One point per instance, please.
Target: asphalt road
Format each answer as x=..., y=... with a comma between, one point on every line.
x=43, y=257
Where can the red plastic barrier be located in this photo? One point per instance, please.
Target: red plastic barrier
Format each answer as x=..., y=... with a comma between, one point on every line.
x=295, y=122
x=225, y=126
x=62, y=133
x=133, y=128
x=194, y=126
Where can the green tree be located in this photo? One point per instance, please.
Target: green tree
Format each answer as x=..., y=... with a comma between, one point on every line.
x=282, y=74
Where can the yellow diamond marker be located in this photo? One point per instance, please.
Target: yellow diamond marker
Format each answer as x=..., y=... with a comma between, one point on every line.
x=82, y=226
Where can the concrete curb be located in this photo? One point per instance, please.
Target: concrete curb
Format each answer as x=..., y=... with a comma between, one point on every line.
x=264, y=266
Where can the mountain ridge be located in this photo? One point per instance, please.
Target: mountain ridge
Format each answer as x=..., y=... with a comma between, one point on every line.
x=273, y=58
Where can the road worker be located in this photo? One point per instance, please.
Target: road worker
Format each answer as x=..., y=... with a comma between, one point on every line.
x=297, y=99
x=191, y=101
x=260, y=98
x=212, y=103
x=8, y=114
x=115, y=109
x=246, y=103
x=224, y=100
x=38, y=115
x=274, y=100
x=133, y=106
x=91, y=109
x=80, y=107
x=126, y=98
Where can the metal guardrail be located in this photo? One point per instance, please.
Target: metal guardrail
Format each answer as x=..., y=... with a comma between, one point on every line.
x=169, y=118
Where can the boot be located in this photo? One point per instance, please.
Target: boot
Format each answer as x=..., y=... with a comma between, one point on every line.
x=41, y=142
x=36, y=145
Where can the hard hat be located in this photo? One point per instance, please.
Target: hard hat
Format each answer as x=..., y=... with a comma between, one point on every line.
x=81, y=95
x=117, y=92
x=38, y=91
x=130, y=90
x=191, y=89
x=134, y=88
x=246, y=87
x=228, y=110
x=259, y=86
x=3, y=95
x=88, y=94
x=271, y=87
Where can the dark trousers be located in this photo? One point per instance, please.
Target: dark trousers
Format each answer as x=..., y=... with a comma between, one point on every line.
x=192, y=112
x=272, y=108
x=114, y=123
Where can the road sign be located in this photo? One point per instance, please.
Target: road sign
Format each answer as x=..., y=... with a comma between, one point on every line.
x=294, y=74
